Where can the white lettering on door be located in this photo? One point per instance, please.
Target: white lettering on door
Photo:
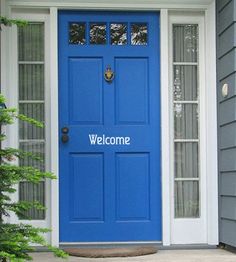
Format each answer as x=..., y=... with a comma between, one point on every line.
x=109, y=140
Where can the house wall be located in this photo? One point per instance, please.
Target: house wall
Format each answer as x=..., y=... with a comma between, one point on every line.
x=226, y=74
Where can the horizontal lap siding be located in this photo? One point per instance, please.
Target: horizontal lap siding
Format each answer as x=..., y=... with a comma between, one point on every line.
x=221, y=4
x=226, y=73
x=228, y=232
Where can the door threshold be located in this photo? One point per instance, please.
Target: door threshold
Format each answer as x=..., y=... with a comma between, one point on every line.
x=158, y=244
x=123, y=243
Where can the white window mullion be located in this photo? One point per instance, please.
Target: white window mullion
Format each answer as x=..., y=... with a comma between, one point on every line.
x=31, y=101
x=31, y=62
x=185, y=102
x=186, y=140
x=186, y=63
x=187, y=179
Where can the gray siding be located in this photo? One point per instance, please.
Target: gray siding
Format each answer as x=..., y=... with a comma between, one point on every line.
x=226, y=73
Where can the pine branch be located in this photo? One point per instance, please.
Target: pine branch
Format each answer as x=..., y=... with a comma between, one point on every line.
x=9, y=22
x=27, y=173
x=20, y=207
x=10, y=153
x=16, y=239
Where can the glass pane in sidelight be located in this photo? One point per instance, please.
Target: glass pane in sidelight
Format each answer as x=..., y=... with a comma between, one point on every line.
x=77, y=33
x=186, y=121
x=32, y=192
x=27, y=130
x=31, y=42
x=38, y=150
x=31, y=104
x=185, y=83
x=139, y=34
x=187, y=199
x=118, y=34
x=98, y=33
x=186, y=160
x=185, y=43
x=31, y=82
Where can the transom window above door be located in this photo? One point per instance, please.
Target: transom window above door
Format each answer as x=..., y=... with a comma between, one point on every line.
x=102, y=33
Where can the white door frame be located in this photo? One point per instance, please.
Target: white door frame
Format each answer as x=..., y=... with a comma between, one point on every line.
x=51, y=8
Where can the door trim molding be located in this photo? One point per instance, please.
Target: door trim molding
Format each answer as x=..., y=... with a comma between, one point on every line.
x=54, y=125
x=112, y=5
x=165, y=128
x=211, y=121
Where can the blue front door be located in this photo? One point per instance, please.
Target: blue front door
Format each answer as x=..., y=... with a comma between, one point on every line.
x=109, y=105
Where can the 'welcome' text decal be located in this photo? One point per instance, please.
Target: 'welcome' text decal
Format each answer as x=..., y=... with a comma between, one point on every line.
x=108, y=140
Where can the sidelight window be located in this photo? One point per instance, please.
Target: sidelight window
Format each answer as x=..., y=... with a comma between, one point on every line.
x=32, y=104
x=186, y=121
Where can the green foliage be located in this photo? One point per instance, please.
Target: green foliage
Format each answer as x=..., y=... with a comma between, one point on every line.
x=9, y=22
x=16, y=239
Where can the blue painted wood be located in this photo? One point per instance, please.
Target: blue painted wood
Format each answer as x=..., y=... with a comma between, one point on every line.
x=86, y=191
x=110, y=192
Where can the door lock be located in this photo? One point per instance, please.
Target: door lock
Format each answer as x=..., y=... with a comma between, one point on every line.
x=64, y=138
x=65, y=130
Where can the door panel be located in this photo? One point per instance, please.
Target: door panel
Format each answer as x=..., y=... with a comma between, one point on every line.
x=110, y=166
x=84, y=74
x=131, y=87
x=132, y=187
x=86, y=191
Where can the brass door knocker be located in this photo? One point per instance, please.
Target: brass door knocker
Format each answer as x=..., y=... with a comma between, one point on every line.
x=109, y=74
